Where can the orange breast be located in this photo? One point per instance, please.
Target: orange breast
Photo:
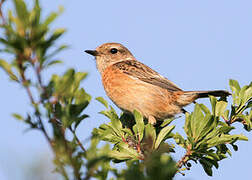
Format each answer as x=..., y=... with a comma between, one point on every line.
x=130, y=94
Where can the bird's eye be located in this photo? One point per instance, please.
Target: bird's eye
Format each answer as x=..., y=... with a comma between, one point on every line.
x=113, y=51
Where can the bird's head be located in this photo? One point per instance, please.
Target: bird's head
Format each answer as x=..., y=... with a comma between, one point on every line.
x=110, y=53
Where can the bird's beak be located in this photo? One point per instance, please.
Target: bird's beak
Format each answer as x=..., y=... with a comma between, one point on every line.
x=92, y=52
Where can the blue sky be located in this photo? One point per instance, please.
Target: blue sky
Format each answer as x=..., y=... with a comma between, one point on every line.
x=199, y=45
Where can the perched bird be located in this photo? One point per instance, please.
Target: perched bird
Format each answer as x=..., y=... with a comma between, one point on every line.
x=131, y=85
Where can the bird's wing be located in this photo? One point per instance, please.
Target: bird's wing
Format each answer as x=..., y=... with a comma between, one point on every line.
x=138, y=70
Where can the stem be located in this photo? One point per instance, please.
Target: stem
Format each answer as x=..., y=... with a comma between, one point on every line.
x=69, y=152
x=28, y=90
x=185, y=158
x=77, y=139
x=1, y=13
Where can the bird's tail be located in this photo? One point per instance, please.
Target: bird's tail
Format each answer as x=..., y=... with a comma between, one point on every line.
x=204, y=94
x=187, y=97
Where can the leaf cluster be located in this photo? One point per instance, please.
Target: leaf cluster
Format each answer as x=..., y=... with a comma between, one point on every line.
x=208, y=133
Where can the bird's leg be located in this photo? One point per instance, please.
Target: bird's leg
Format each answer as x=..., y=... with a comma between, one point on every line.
x=152, y=120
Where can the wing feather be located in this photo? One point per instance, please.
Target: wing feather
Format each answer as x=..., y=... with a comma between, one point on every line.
x=138, y=70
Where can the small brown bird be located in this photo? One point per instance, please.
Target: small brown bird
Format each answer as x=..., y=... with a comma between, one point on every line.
x=132, y=85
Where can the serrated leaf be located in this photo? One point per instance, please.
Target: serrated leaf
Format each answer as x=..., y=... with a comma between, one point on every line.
x=162, y=134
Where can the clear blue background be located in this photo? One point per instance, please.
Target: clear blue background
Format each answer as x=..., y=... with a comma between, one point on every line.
x=199, y=45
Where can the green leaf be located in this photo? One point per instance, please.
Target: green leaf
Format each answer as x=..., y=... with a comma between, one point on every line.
x=127, y=132
x=52, y=63
x=249, y=104
x=103, y=101
x=247, y=98
x=17, y=116
x=197, y=118
x=225, y=129
x=234, y=86
x=76, y=109
x=204, y=109
x=21, y=10
x=115, y=124
x=213, y=101
x=124, y=152
x=166, y=122
x=204, y=127
x=50, y=18
x=56, y=34
x=207, y=166
x=138, y=128
x=81, y=97
x=56, y=51
x=162, y=134
x=179, y=140
x=225, y=139
x=220, y=107
x=35, y=15
x=226, y=115
x=187, y=126
x=150, y=135
x=63, y=84
x=7, y=68
x=79, y=120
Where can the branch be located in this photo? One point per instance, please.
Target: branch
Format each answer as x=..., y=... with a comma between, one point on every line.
x=185, y=158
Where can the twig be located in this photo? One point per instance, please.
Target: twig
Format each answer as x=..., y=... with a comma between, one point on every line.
x=69, y=152
x=28, y=90
x=185, y=158
x=1, y=13
x=77, y=139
